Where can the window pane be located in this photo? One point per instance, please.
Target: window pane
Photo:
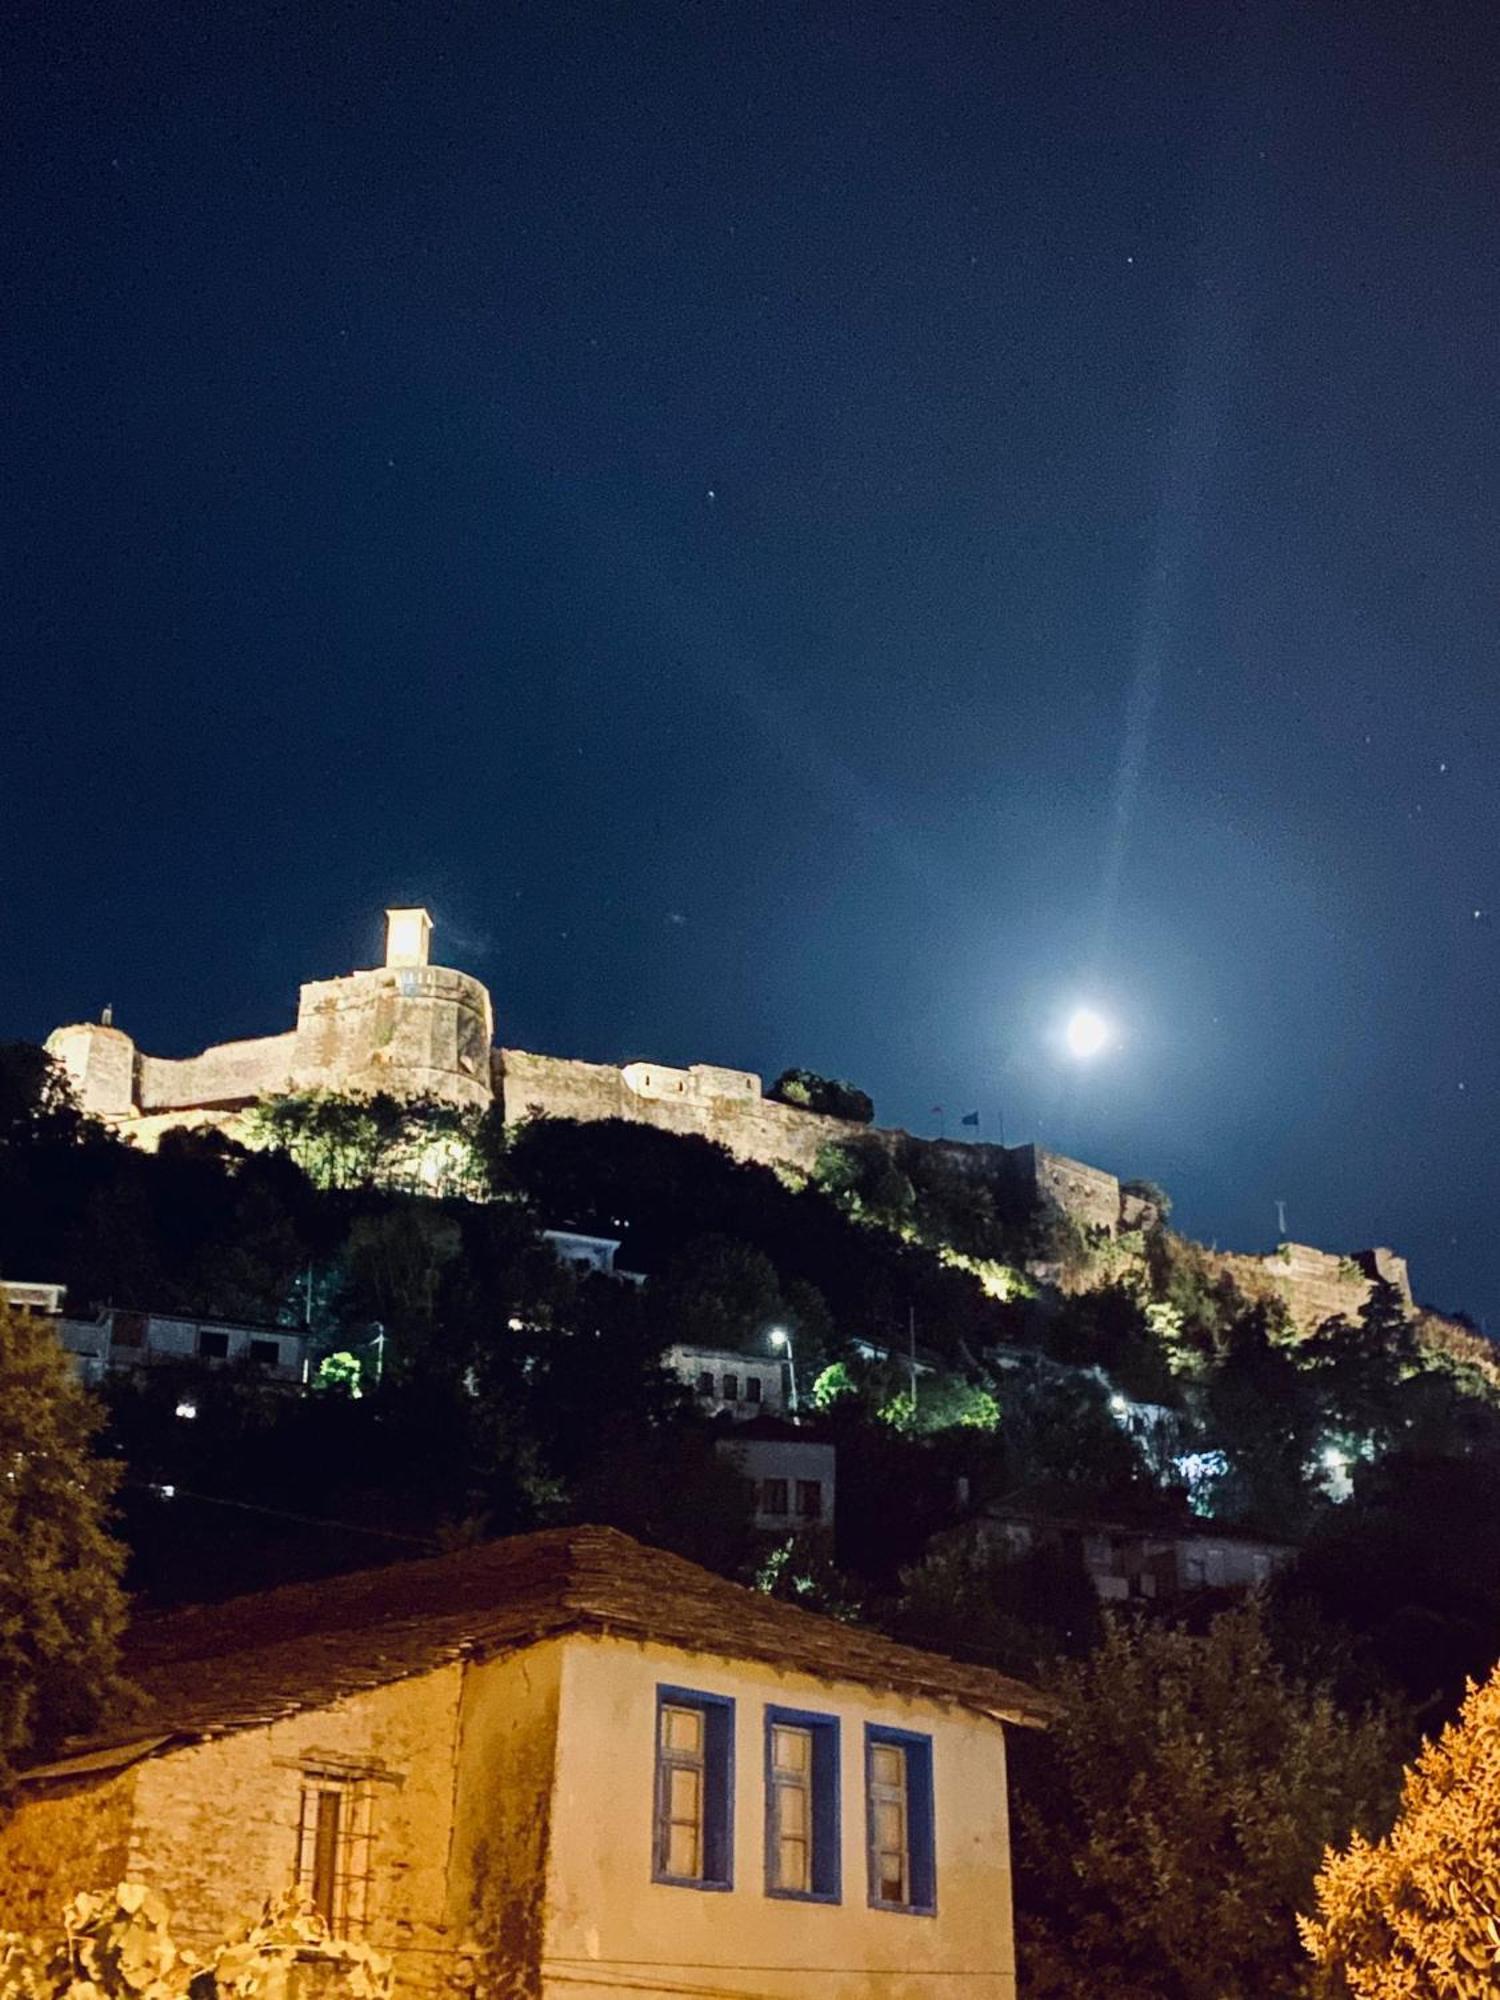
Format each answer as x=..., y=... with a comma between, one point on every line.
x=682, y=1730
x=892, y=1880
x=325, y=1858
x=792, y=1749
x=684, y=1793
x=683, y=1854
x=888, y=1764
x=792, y=1870
x=889, y=1825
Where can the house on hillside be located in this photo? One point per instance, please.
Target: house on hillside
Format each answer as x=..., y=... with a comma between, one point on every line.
x=559, y=1765
x=726, y=1382
x=790, y=1475
x=119, y=1342
x=1144, y=1564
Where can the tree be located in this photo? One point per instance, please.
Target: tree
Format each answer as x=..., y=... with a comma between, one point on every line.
x=1418, y=1913
x=718, y=1293
x=1172, y=1819
x=811, y=1092
x=974, y=1598
x=61, y=1606
x=37, y=1105
x=1260, y=1410
x=1155, y=1197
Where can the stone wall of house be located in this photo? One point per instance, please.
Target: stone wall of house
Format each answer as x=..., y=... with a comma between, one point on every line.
x=76, y=1837
x=216, y=1825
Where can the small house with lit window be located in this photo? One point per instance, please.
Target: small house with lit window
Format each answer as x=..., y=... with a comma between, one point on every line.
x=559, y=1765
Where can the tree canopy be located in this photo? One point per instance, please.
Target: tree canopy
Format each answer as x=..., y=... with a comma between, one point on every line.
x=61, y=1606
x=1173, y=1818
x=1417, y=1914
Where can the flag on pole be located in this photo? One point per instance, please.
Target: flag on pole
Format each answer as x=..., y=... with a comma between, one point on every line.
x=970, y=1118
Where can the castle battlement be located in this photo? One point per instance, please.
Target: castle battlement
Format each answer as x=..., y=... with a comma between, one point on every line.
x=409, y=1028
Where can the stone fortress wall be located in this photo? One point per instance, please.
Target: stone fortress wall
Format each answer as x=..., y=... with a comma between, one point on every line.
x=412, y=1028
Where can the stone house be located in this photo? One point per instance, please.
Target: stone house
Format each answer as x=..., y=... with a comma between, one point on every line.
x=563, y=1764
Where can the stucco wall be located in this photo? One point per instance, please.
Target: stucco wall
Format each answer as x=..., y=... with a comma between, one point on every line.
x=610, y=1926
x=502, y=1817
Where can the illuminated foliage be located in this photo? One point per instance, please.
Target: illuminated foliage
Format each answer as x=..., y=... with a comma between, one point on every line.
x=811, y=1092
x=1418, y=1913
x=118, y=1945
x=948, y=1403
x=61, y=1607
x=340, y=1374
x=413, y=1145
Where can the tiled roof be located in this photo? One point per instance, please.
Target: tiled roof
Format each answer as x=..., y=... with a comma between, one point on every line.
x=221, y=1667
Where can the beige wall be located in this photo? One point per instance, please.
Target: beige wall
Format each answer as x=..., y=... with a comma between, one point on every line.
x=503, y=1816
x=609, y=1925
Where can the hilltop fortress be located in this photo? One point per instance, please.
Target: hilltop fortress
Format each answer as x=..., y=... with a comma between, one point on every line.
x=411, y=1028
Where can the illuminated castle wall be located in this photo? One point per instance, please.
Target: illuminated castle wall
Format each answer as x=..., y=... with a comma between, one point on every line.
x=412, y=1028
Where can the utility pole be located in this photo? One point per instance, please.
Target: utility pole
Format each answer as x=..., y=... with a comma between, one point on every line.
x=911, y=1337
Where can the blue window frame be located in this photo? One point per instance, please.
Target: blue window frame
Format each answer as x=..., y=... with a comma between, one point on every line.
x=802, y=1806
x=899, y=1822
x=693, y=1812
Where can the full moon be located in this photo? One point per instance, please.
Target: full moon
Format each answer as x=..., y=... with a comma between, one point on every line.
x=1087, y=1033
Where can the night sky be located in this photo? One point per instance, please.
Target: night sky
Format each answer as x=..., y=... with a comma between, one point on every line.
x=806, y=534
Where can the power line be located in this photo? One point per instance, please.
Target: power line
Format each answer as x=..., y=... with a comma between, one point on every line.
x=166, y=1490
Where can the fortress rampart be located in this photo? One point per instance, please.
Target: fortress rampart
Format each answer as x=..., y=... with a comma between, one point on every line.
x=411, y=1028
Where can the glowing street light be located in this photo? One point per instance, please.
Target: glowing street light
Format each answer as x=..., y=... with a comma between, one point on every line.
x=1087, y=1034
x=781, y=1341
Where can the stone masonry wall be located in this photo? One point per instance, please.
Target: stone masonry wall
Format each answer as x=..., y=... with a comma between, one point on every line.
x=229, y=1073
x=751, y=1128
x=60, y=1843
x=1314, y=1285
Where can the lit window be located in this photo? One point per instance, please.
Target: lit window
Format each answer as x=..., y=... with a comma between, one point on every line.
x=802, y=1805
x=773, y=1496
x=899, y=1820
x=810, y=1499
x=694, y=1781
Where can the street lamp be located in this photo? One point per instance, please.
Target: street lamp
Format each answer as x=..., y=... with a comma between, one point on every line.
x=781, y=1340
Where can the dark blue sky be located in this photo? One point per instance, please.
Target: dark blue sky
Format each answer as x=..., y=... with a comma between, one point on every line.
x=807, y=534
